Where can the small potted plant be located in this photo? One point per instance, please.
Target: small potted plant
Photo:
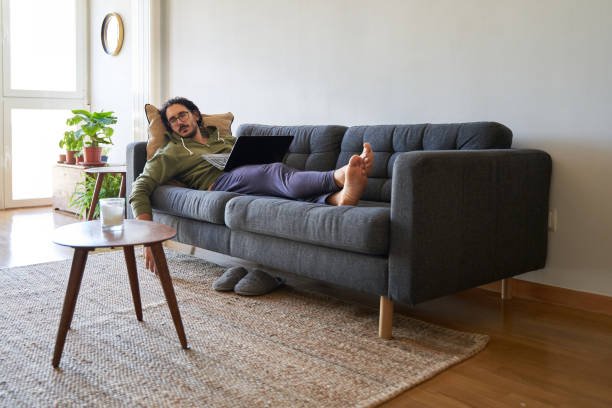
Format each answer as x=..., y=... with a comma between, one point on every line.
x=105, y=151
x=94, y=130
x=72, y=143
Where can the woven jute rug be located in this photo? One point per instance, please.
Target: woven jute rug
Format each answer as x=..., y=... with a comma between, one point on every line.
x=284, y=349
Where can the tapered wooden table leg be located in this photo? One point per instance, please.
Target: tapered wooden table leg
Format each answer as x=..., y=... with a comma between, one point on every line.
x=166, y=282
x=72, y=292
x=96, y=194
x=130, y=261
x=122, y=186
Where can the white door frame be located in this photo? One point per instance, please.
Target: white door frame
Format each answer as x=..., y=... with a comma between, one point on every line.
x=30, y=103
x=3, y=158
x=14, y=98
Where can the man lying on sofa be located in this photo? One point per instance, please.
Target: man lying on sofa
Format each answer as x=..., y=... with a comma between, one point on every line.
x=181, y=159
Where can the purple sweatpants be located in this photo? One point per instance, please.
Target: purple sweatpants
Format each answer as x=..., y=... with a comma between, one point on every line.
x=278, y=180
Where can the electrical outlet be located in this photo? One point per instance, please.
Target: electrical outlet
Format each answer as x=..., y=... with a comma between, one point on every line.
x=552, y=220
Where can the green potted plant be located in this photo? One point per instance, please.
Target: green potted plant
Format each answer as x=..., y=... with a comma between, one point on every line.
x=105, y=151
x=94, y=130
x=83, y=193
x=72, y=143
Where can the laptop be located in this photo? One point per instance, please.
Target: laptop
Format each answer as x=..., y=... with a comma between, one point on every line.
x=251, y=150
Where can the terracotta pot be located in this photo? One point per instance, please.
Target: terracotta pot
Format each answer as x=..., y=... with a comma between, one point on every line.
x=62, y=158
x=92, y=154
x=80, y=159
x=70, y=159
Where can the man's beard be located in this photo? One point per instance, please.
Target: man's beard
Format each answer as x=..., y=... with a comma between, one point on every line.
x=190, y=135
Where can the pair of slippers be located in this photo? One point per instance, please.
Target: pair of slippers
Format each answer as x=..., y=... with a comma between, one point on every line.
x=244, y=283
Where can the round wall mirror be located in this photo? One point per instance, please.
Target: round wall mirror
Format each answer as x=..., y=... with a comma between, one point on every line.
x=112, y=33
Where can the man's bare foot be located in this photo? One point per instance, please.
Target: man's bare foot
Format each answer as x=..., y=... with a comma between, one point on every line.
x=356, y=180
x=368, y=158
x=339, y=176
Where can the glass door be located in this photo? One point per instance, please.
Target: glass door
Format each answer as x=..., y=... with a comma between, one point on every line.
x=43, y=78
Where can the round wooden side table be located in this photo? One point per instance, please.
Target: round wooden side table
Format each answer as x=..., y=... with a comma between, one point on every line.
x=87, y=236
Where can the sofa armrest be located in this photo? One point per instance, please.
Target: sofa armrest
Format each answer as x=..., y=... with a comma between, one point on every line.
x=136, y=160
x=460, y=219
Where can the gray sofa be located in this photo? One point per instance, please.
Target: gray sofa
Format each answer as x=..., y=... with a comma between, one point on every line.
x=447, y=207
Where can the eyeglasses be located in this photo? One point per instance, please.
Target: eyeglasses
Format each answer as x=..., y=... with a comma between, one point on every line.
x=181, y=116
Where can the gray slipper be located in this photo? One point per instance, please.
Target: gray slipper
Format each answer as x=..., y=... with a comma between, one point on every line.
x=229, y=279
x=256, y=283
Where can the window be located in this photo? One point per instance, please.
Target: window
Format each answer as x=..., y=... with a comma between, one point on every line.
x=43, y=71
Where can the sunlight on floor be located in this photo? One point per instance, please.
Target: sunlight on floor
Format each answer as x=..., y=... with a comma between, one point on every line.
x=26, y=236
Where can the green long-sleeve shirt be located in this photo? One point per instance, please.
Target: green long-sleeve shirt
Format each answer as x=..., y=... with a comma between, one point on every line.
x=174, y=161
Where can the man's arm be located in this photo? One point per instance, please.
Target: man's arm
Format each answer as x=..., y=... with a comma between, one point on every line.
x=157, y=171
x=146, y=251
x=161, y=168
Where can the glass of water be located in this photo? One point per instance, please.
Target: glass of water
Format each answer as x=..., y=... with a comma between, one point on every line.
x=111, y=213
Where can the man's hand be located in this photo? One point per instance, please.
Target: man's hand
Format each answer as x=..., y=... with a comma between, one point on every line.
x=146, y=251
x=149, y=261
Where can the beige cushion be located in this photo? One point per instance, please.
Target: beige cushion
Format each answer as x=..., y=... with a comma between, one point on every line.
x=222, y=121
x=157, y=129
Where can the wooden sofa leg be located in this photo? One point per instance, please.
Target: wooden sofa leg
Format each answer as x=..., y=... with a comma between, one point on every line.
x=385, y=320
x=506, y=293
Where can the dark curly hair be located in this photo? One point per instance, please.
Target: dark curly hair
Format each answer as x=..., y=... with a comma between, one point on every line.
x=179, y=101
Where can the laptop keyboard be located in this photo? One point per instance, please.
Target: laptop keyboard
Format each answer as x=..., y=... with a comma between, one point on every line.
x=217, y=160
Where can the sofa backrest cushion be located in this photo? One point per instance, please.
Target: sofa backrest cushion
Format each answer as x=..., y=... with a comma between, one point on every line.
x=313, y=147
x=388, y=141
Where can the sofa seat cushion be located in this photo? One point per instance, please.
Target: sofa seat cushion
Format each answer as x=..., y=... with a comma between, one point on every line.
x=357, y=229
x=199, y=205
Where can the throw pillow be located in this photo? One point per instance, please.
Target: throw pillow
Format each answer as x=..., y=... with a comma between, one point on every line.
x=222, y=121
x=156, y=130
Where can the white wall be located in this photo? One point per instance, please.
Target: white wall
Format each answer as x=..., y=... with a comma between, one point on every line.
x=110, y=76
x=540, y=67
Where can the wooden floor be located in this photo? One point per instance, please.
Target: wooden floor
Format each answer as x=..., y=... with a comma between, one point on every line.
x=25, y=236
x=539, y=355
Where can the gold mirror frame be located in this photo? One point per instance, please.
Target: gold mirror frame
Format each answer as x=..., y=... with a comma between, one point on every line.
x=112, y=49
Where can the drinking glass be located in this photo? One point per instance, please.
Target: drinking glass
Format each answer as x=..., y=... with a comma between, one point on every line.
x=111, y=213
